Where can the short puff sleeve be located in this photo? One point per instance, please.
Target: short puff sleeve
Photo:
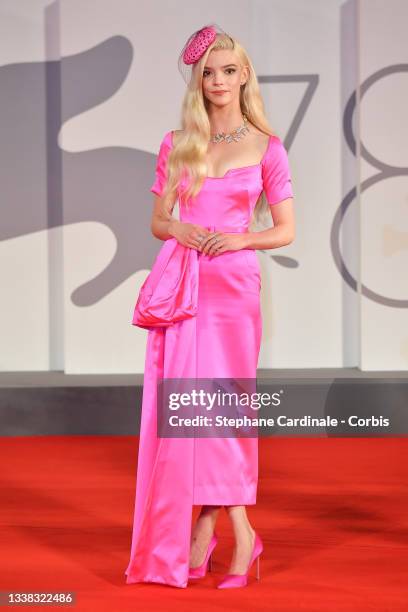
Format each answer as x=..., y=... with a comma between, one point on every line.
x=161, y=164
x=276, y=177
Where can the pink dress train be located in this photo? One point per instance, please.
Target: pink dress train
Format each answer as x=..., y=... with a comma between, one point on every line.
x=222, y=340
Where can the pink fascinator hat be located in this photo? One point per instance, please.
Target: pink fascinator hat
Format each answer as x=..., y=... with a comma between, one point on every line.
x=195, y=47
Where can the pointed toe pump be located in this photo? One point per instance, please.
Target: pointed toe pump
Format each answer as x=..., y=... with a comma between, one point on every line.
x=201, y=570
x=240, y=580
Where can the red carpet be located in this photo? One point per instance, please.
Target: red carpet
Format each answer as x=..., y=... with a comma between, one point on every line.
x=332, y=514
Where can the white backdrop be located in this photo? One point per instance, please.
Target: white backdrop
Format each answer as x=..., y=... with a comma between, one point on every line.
x=309, y=56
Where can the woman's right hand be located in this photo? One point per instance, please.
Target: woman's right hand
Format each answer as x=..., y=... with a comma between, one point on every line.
x=188, y=234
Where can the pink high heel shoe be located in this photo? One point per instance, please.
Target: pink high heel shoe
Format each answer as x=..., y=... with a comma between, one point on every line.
x=201, y=570
x=240, y=580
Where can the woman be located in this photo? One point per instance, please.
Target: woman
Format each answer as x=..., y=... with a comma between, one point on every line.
x=225, y=167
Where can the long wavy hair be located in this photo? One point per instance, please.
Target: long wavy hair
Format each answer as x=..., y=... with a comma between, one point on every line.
x=187, y=158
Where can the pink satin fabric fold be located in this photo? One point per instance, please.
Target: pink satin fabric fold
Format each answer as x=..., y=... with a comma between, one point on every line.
x=169, y=293
x=164, y=486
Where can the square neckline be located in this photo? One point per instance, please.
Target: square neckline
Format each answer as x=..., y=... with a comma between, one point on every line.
x=238, y=168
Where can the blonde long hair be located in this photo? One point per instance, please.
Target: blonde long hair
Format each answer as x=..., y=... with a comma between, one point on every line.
x=187, y=156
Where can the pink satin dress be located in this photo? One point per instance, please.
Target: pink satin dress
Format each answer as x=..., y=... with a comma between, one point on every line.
x=222, y=340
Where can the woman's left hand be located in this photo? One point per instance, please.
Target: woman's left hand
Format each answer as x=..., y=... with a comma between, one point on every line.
x=218, y=242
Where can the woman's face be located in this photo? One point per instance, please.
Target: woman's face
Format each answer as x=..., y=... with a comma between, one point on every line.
x=223, y=73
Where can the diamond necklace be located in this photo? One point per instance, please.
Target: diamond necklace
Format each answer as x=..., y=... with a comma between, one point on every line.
x=235, y=135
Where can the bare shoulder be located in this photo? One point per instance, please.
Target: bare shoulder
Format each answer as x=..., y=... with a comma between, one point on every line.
x=260, y=139
x=261, y=136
